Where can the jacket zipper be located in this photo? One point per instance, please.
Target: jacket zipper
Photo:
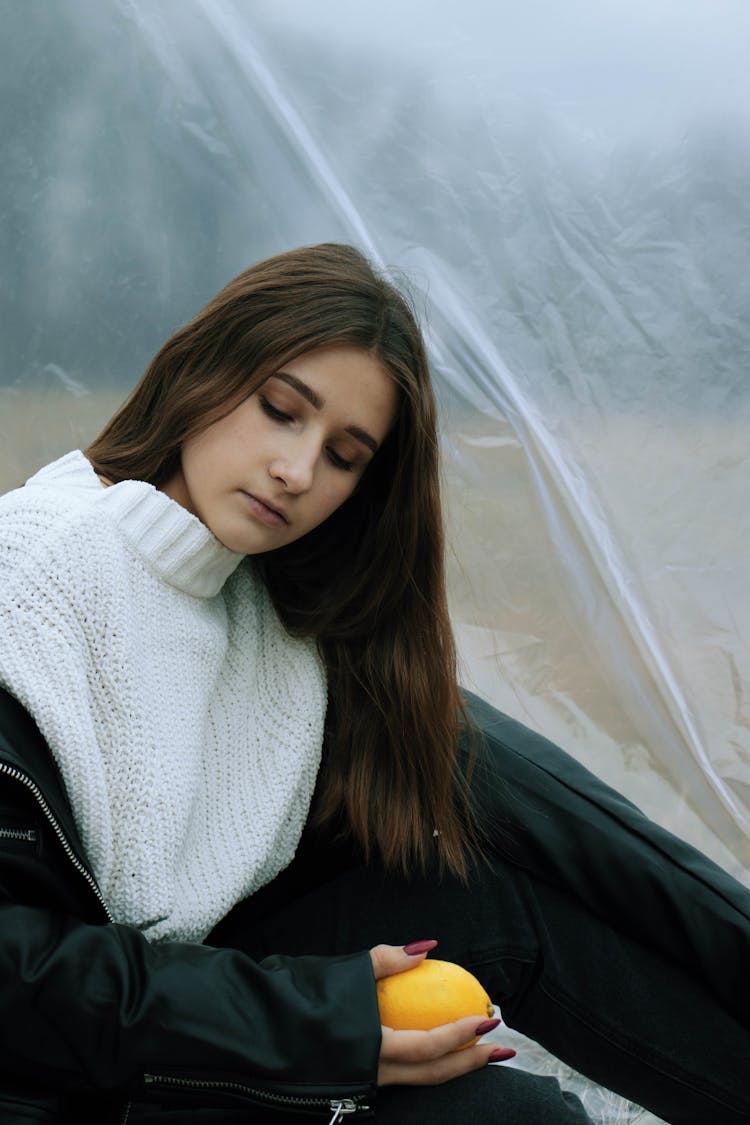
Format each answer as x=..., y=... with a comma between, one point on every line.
x=339, y=1107
x=31, y=835
x=28, y=834
x=24, y=779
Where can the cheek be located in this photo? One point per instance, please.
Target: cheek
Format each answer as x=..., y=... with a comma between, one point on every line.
x=343, y=491
x=198, y=471
x=331, y=499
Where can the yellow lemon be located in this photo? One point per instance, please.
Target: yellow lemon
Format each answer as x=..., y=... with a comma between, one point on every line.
x=431, y=994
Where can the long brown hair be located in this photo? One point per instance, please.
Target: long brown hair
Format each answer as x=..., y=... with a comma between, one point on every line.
x=369, y=582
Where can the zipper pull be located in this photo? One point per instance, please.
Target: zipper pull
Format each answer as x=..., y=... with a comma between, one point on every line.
x=340, y=1108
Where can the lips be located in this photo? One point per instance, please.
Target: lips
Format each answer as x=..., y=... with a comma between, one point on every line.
x=265, y=511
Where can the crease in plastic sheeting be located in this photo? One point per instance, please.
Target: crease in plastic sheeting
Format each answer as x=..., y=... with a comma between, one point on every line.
x=291, y=123
x=583, y=509
x=151, y=24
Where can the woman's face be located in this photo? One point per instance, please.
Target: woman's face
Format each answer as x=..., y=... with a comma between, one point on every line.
x=289, y=455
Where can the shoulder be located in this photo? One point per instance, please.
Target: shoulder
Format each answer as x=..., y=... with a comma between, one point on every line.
x=63, y=489
x=54, y=514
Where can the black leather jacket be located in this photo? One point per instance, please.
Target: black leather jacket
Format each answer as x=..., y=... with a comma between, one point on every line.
x=94, y=1019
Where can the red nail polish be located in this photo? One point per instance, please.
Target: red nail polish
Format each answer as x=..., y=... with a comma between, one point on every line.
x=487, y=1025
x=415, y=947
x=501, y=1054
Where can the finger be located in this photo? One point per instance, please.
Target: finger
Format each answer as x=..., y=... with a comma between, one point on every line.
x=436, y=1071
x=390, y=959
x=423, y=1046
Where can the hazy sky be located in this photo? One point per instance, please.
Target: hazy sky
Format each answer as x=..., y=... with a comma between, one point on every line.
x=628, y=51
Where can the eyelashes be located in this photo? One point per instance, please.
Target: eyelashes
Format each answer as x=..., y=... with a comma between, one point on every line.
x=272, y=412
x=277, y=415
x=338, y=461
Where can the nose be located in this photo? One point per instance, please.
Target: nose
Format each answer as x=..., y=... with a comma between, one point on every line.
x=294, y=472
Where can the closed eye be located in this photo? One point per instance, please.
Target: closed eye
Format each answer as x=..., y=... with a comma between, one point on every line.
x=272, y=411
x=339, y=462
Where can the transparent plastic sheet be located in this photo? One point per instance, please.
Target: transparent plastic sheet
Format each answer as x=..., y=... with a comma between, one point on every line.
x=565, y=186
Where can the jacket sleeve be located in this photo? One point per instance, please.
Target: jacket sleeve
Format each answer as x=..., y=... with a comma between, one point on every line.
x=87, y=1005
x=97, y=1007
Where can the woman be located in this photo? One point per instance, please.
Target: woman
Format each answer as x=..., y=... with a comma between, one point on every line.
x=226, y=624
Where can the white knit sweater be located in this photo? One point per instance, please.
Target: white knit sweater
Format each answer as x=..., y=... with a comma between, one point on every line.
x=186, y=722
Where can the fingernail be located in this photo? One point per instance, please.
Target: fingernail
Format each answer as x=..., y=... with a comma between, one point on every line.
x=501, y=1054
x=415, y=947
x=487, y=1025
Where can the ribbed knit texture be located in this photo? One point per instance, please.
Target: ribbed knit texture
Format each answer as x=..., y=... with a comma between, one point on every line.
x=186, y=722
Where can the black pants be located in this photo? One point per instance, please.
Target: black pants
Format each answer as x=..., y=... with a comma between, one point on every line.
x=622, y=950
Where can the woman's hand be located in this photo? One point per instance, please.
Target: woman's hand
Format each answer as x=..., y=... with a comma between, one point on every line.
x=427, y=1058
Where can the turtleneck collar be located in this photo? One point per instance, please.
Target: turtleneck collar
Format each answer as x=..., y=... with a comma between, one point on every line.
x=174, y=543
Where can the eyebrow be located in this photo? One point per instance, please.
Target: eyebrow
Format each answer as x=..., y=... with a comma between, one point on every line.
x=318, y=403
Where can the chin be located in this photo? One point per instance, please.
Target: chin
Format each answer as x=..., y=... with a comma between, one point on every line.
x=232, y=540
x=247, y=544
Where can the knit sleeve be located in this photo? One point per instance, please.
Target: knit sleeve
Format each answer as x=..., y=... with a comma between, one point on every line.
x=46, y=637
x=43, y=592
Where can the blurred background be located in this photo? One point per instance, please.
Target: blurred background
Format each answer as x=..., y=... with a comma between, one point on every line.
x=564, y=190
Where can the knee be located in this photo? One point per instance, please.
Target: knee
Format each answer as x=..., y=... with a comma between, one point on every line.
x=536, y=1097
